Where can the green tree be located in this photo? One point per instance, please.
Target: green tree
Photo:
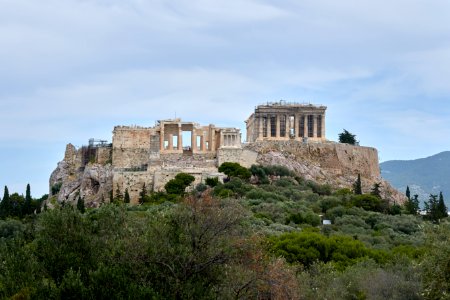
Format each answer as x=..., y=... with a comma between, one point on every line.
x=408, y=193
x=80, y=205
x=5, y=205
x=412, y=205
x=376, y=190
x=126, y=197
x=27, y=206
x=16, y=202
x=143, y=194
x=357, y=189
x=232, y=169
x=119, y=196
x=178, y=185
x=212, y=181
x=347, y=138
x=441, y=208
x=432, y=210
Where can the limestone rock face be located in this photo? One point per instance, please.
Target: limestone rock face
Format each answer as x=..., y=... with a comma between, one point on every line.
x=328, y=163
x=70, y=180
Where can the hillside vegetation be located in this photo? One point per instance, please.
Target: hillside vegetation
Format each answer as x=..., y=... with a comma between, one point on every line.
x=259, y=235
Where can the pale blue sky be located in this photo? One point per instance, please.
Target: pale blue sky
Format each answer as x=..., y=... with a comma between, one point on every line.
x=73, y=69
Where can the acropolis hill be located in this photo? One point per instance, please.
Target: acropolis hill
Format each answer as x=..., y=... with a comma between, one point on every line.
x=289, y=134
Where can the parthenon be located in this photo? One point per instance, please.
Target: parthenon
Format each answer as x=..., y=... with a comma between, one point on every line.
x=284, y=121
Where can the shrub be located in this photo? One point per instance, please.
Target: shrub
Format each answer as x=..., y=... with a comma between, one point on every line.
x=212, y=181
x=304, y=218
x=178, y=185
x=368, y=202
x=56, y=188
x=321, y=189
x=234, y=170
x=309, y=247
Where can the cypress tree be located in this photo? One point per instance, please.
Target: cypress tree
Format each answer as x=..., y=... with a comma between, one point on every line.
x=27, y=204
x=80, y=205
x=5, y=205
x=126, y=197
x=441, y=208
x=357, y=189
x=408, y=193
x=142, y=194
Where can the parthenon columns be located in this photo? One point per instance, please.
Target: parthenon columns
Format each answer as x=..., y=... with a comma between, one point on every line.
x=180, y=138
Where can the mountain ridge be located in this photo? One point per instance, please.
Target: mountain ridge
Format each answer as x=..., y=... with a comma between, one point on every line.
x=424, y=176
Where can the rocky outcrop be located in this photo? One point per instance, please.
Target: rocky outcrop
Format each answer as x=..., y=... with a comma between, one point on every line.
x=328, y=163
x=89, y=174
x=71, y=180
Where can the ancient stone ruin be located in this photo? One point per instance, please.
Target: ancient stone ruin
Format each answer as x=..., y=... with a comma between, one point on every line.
x=284, y=121
x=289, y=134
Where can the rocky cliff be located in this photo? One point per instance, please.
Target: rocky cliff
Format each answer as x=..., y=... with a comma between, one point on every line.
x=91, y=175
x=330, y=163
x=72, y=179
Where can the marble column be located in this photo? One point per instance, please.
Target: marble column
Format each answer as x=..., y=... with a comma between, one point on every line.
x=180, y=138
x=297, y=125
x=193, y=141
x=268, y=126
x=170, y=142
x=314, y=126
x=161, y=137
x=260, y=128
x=203, y=142
x=306, y=129
x=277, y=130
x=323, y=126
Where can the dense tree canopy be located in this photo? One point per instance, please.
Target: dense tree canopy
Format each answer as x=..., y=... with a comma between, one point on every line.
x=347, y=138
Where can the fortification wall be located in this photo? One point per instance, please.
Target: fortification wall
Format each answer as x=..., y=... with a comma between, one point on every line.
x=131, y=146
x=134, y=181
x=332, y=159
x=244, y=157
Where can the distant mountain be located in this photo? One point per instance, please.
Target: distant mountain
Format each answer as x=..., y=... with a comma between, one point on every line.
x=424, y=176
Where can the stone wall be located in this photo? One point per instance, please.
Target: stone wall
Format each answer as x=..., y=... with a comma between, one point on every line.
x=131, y=146
x=244, y=157
x=134, y=181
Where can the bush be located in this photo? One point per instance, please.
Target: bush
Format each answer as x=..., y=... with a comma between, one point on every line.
x=178, y=185
x=321, y=189
x=368, y=202
x=304, y=218
x=212, y=181
x=309, y=247
x=56, y=188
x=234, y=170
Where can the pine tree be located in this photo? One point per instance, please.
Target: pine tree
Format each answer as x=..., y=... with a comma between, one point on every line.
x=80, y=205
x=357, y=189
x=376, y=190
x=408, y=193
x=5, y=205
x=347, y=138
x=431, y=207
x=412, y=205
x=126, y=197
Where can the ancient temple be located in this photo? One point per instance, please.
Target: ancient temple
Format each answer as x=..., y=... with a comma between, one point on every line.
x=284, y=121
